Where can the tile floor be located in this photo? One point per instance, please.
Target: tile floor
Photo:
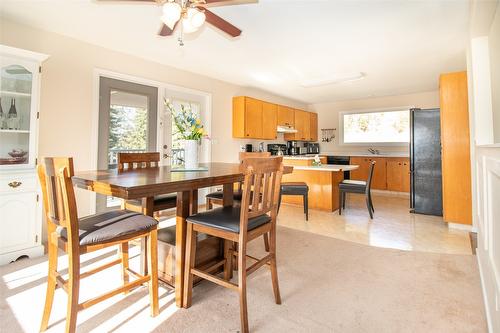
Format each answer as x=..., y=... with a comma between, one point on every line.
x=392, y=227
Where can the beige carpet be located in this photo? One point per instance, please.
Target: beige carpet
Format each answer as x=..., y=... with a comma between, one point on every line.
x=327, y=285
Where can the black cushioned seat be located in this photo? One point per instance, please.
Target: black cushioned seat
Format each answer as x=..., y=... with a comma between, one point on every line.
x=296, y=188
x=218, y=195
x=159, y=199
x=102, y=227
x=227, y=219
x=167, y=235
x=356, y=186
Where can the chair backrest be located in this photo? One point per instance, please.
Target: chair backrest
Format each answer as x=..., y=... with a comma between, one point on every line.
x=261, y=188
x=370, y=176
x=58, y=193
x=138, y=160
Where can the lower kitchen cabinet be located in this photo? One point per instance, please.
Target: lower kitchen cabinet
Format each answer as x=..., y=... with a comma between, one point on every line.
x=398, y=174
x=379, y=181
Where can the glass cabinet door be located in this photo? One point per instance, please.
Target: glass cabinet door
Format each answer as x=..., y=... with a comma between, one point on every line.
x=16, y=114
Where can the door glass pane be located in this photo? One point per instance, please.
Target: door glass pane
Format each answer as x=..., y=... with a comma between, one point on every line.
x=177, y=146
x=128, y=124
x=15, y=112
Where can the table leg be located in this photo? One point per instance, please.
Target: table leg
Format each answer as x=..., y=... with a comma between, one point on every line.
x=183, y=206
x=194, y=202
x=147, y=209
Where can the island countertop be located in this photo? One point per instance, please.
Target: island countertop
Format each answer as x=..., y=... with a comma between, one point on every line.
x=326, y=167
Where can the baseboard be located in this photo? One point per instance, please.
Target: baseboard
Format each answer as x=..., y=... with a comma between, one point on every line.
x=459, y=226
x=391, y=193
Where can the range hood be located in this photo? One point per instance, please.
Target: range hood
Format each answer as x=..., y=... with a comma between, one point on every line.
x=285, y=129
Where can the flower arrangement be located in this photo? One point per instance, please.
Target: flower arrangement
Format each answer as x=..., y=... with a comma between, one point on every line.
x=188, y=123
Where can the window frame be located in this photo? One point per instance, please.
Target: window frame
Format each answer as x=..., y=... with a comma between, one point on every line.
x=370, y=144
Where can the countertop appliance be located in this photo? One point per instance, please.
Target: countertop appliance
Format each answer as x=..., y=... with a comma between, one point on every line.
x=342, y=160
x=425, y=162
x=249, y=148
x=312, y=148
x=276, y=148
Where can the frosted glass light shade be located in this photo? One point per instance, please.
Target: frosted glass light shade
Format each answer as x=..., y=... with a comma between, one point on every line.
x=171, y=13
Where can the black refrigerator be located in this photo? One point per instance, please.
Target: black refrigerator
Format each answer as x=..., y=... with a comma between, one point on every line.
x=425, y=162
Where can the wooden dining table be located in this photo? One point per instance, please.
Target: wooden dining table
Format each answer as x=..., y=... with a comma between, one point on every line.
x=144, y=184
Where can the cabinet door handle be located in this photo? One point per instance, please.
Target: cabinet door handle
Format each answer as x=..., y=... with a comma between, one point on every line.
x=14, y=184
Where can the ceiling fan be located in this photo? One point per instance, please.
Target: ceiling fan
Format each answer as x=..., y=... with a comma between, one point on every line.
x=190, y=15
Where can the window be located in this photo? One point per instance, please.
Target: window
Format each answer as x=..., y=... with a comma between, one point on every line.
x=380, y=127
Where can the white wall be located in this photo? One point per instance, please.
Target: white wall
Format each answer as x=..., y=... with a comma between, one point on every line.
x=328, y=116
x=67, y=94
x=494, y=44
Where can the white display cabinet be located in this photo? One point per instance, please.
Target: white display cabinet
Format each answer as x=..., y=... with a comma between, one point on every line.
x=20, y=199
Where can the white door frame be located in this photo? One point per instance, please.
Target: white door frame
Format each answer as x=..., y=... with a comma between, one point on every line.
x=162, y=88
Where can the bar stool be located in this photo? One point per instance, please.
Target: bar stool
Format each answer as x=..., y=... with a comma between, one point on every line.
x=296, y=188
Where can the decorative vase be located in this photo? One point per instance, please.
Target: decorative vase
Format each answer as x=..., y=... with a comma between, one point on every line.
x=191, y=154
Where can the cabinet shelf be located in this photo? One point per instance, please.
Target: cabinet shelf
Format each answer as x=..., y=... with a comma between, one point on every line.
x=14, y=93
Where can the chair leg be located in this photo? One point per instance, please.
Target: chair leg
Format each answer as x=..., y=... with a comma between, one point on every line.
x=152, y=241
x=51, y=285
x=189, y=263
x=266, y=241
x=124, y=257
x=242, y=286
x=279, y=203
x=369, y=207
x=209, y=204
x=341, y=197
x=274, y=269
x=73, y=289
x=306, y=206
x=344, y=199
x=228, y=256
x=371, y=202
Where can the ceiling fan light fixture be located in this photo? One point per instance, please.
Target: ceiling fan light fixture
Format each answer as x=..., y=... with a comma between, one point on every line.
x=171, y=13
x=192, y=20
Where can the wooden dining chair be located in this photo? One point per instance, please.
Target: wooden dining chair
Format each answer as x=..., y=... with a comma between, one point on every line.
x=76, y=236
x=358, y=186
x=131, y=161
x=216, y=197
x=255, y=217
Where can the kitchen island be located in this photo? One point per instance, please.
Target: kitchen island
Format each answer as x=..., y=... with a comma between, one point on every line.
x=322, y=180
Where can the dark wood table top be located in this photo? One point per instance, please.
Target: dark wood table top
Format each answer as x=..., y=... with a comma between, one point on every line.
x=140, y=183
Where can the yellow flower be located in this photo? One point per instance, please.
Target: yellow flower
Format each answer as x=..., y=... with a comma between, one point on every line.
x=198, y=121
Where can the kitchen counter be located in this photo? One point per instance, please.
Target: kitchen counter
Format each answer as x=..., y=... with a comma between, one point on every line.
x=298, y=157
x=361, y=154
x=326, y=167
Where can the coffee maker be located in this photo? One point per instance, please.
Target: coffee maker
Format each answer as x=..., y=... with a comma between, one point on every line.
x=292, y=147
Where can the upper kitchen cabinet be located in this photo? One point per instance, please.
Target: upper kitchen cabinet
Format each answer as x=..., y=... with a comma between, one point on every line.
x=455, y=153
x=286, y=116
x=269, y=121
x=302, y=125
x=313, y=132
x=247, y=118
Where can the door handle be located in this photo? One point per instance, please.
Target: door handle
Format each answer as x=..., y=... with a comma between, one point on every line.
x=166, y=156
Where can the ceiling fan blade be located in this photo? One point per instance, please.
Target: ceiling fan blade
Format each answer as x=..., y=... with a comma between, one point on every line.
x=165, y=30
x=214, y=1
x=220, y=23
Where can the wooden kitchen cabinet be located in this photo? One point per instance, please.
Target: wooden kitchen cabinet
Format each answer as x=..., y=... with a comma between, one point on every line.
x=313, y=132
x=247, y=118
x=286, y=116
x=398, y=174
x=455, y=143
x=269, y=121
x=379, y=181
x=302, y=125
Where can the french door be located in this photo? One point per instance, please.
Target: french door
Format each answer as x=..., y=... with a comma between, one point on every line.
x=127, y=123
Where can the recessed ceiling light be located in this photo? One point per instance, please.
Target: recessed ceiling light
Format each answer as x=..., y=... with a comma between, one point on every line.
x=334, y=79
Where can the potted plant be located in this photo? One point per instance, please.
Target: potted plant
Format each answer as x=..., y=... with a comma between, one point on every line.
x=191, y=130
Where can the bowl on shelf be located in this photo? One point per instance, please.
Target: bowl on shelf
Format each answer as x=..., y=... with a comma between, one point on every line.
x=17, y=153
x=13, y=160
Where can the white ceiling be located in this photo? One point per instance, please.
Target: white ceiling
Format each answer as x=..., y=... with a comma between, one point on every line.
x=400, y=45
